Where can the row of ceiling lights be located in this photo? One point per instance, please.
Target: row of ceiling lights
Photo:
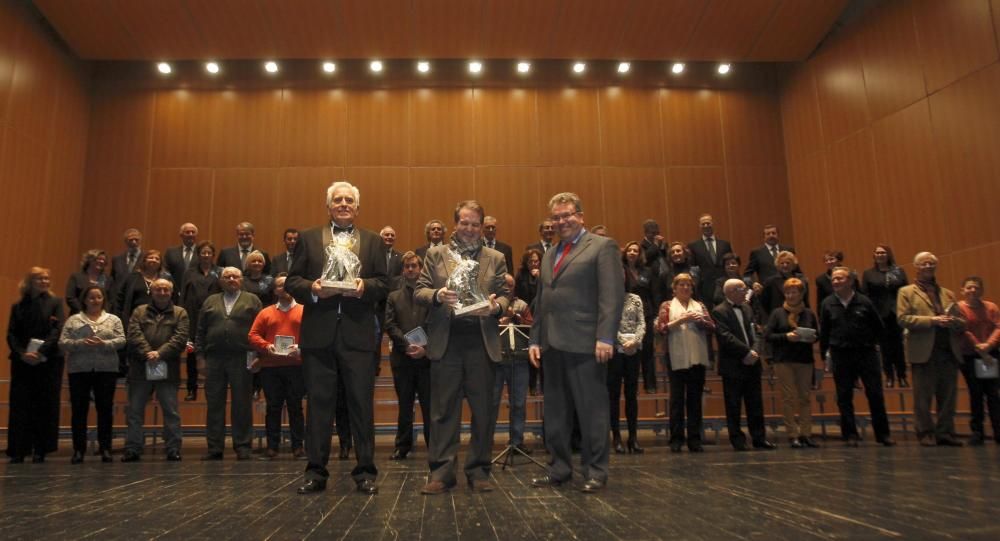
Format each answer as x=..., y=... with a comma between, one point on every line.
x=423, y=66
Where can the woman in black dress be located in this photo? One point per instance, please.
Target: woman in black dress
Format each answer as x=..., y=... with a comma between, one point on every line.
x=640, y=279
x=880, y=284
x=200, y=281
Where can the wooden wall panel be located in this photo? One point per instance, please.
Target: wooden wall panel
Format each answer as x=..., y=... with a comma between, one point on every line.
x=11, y=30
x=378, y=128
x=434, y=191
x=584, y=182
x=301, y=197
x=449, y=26
x=800, y=114
x=691, y=192
x=165, y=29
x=630, y=127
x=313, y=127
x=894, y=76
x=810, y=210
x=840, y=86
x=249, y=195
x=441, y=127
x=121, y=128
x=854, y=196
x=511, y=195
x=186, y=129
x=512, y=35
x=980, y=261
x=668, y=20
x=505, y=126
x=632, y=194
x=758, y=195
x=32, y=99
x=369, y=19
x=384, y=197
x=792, y=26
x=995, y=8
x=249, y=128
x=728, y=26
x=568, y=127
x=751, y=128
x=956, y=38
x=691, y=123
x=966, y=126
x=178, y=196
x=23, y=168
x=598, y=21
x=221, y=35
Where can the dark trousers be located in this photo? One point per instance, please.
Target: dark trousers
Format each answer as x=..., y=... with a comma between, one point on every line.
x=686, y=388
x=978, y=390
x=192, y=371
x=647, y=360
x=575, y=383
x=323, y=369
x=228, y=370
x=624, y=369
x=891, y=346
x=33, y=424
x=464, y=370
x=849, y=365
x=102, y=384
x=740, y=392
x=283, y=388
x=536, y=377
x=342, y=417
x=412, y=379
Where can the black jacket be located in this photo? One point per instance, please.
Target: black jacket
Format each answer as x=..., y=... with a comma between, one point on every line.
x=855, y=326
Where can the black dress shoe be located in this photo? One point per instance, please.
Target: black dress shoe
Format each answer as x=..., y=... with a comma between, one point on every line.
x=16, y=460
x=37, y=459
x=191, y=395
x=592, y=485
x=131, y=456
x=696, y=448
x=345, y=453
x=619, y=448
x=741, y=446
x=765, y=445
x=212, y=456
x=106, y=456
x=949, y=442
x=851, y=441
x=887, y=441
x=676, y=447
x=398, y=454
x=311, y=486
x=77, y=457
x=903, y=382
x=243, y=454
x=633, y=448
x=173, y=455
x=795, y=443
x=547, y=481
x=808, y=442
x=367, y=486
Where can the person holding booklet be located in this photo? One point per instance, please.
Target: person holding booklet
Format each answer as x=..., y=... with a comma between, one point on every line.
x=979, y=356
x=275, y=337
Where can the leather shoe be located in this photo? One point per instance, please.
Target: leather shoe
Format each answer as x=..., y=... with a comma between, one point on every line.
x=106, y=456
x=887, y=441
x=212, y=456
x=765, y=445
x=675, y=447
x=696, y=448
x=398, y=454
x=741, y=446
x=367, y=486
x=269, y=454
x=806, y=441
x=633, y=448
x=949, y=442
x=77, y=457
x=592, y=485
x=299, y=454
x=547, y=481
x=794, y=443
x=434, y=488
x=480, y=485
x=619, y=448
x=851, y=441
x=312, y=486
x=191, y=396
x=243, y=454
x=16, y=460
x=131, y=456
x=928, y=441
x=173, y=455
x=37, y=459
x=345, y=453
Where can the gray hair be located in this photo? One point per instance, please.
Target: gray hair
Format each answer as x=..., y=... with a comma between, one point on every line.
x=246, y=225
x=566, y=197
x=164, y=280
x=238, y=271
x=181, y=230
x=924, y=255
x=731, y=285
x=343, y=184
x=427, y=226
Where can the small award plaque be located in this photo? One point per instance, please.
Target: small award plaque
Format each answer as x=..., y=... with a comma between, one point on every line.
x=342, y=268
x=464, y=281
x=806, y=334
x=283, y=344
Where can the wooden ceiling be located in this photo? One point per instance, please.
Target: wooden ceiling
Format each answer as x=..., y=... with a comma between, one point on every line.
x=732, y=30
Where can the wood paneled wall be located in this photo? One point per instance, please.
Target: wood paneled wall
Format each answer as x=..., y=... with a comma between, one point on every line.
x=891, y=134
x=44, y=117
x=158, y=158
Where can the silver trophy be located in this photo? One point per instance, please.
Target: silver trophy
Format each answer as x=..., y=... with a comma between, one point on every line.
x=342, y=268
x=463, y=280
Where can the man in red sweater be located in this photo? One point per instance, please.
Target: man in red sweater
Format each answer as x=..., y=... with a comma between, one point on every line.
x=275, y=337
x=979, y=346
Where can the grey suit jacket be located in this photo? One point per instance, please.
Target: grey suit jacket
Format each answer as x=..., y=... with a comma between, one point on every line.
x=583, y=303
x=437, y=267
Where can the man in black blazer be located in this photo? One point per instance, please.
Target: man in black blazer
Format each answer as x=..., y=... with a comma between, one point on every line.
x=707, y=255
x=124, y=263
x=653, y=245
x=761, y=261
x=490, y=240
x=740, y=367
x=235, y=256
x=393, y=259
x=282, y=263
x=546, y=233
x=581, y=290
x=339, y=336
x=178, y=258
x=435, y=231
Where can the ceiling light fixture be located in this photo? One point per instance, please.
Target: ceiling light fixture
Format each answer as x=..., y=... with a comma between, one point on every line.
x=623, y=67
x=375, y=66
x=329, y=67
x=475, y=66
x=271, y=66
x=724, y=69
x=212, y=67
x=423, y=67
x=164, y=68
x=579, y=67
x=523, y=67
x=677, y=68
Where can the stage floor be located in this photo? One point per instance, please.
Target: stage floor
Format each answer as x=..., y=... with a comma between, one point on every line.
x=872, y=492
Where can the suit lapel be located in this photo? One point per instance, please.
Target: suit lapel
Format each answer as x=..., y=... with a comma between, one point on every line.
x=580, y=246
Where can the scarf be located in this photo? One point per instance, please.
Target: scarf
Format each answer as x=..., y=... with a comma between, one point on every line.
x=468, y=250
x=793, y=312
x=931, y=289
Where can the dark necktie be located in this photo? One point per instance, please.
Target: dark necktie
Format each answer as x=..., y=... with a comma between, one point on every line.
x=243, y=257
x=339, y=229
x=774, y=252
x=711, y=248
x=187, y=257
x=130, y=261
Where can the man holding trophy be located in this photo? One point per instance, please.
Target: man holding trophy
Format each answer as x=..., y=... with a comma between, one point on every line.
x=339, y=276
x=462, y=283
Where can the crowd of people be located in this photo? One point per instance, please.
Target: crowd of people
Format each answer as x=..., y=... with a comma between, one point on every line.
x=602, y=315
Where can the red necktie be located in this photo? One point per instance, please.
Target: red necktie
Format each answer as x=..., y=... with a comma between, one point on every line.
x=562, y=257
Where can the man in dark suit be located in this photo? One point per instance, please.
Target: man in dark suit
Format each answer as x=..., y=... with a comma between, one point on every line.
x=707, y=255
x=654, y=246
x=546, y=232
x=339, y=336
x=393, y=259
x=740, y=367
x=124, y=263
x=235, y=256
x=463, y=349
x=761, y=265
x=178, y=258
x=490, y=240
x=282, y=263
x=581, y=291
x=435, y=231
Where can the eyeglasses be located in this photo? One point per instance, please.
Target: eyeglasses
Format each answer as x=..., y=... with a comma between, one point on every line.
x=557, y=218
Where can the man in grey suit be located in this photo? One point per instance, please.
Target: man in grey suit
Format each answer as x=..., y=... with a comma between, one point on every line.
x=462, y=349
x=581, y=291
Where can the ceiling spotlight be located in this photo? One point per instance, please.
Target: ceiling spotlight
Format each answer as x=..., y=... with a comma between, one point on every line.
x=579, y=67
x=677, y=68
x=523, y=67
x=475, y=66
x=164, y=68
x=329, y=67
x=271, y=66
x=375, y=66
x=212, y=67
x=724, y=69
x=423, y=67
x=623, y=67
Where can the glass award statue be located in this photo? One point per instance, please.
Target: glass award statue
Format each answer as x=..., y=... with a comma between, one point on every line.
x=463, y=280
x=342, y=268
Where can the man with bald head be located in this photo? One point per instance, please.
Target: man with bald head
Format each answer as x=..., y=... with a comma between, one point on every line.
x=222, y=346
x=177, y=259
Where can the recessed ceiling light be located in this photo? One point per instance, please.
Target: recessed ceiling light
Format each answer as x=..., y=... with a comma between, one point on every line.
x=523, y=67
x=271, y=66
x=164, y=68
x=212, y=67
x=677, y=68
x=423, y=67
x=475, y=66
x=623, y=67
x=579, y=67
x=329, y=67
x=724, y=69
x=375, y=66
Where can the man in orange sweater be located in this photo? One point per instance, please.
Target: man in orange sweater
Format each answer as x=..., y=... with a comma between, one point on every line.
x=979, y=345
x=275, y=337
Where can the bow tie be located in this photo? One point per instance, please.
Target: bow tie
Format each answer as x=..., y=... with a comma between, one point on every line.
x=348, y=229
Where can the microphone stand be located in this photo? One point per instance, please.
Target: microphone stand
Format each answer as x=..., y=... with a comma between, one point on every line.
x=514, y=334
